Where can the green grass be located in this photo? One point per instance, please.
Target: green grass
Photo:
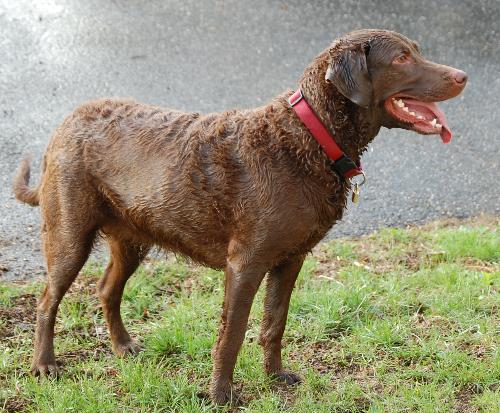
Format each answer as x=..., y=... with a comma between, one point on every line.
x=403, y=320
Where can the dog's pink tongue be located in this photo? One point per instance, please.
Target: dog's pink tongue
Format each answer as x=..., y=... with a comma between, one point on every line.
x=445, y=130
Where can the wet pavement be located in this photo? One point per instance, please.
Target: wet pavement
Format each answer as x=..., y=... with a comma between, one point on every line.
x=214, y=55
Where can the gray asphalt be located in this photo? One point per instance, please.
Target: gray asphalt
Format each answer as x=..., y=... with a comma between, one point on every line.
x=214, y=55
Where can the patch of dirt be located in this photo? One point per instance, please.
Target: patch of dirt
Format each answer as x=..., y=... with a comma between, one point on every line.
x=463, y=399
x=424, y=323
x=98, y=350
x=15, y=404
x=20, y=314
x=362, y=405
x=325, y=359
x=286, y=393
x=477, y=350
x=480, y=266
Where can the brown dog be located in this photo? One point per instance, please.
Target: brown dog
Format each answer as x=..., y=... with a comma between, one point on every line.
x=249, y=191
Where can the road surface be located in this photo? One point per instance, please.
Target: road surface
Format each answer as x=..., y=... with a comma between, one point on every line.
x=214, y=55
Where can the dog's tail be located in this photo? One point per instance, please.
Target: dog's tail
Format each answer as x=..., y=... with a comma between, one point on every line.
x=21, y=189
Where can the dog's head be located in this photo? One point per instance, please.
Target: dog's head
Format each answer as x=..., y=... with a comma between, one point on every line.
x=384, y=71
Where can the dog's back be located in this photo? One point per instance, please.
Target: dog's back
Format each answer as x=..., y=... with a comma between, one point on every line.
x=179, y=180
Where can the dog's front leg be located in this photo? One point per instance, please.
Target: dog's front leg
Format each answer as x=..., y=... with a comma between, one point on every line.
x=242, y=282
x=279, y=286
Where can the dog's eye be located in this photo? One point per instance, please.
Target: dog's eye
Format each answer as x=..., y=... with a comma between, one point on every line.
x=402, y=58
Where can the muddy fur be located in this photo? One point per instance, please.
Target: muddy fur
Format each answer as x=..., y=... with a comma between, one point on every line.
x=247, y=191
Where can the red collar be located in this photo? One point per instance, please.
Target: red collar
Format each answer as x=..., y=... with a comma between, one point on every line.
x=341, y=163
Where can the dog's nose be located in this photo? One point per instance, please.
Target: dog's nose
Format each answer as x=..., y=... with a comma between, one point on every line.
x=460, y=77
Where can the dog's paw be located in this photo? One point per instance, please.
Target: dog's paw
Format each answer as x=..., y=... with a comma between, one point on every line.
x=287, y=377
x=128, y=348
x=45, y=369
x=226, y=394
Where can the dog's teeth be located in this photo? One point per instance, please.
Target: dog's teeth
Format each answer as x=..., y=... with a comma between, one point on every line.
x=405, y=108
x=412, y=113
x=419, y=117
x=439, y=126
x=433, y=123
x=399, y=103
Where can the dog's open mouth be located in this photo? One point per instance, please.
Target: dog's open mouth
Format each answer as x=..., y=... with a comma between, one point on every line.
x=422, y=117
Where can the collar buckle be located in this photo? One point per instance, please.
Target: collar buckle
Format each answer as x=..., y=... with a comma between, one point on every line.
x=344, y=165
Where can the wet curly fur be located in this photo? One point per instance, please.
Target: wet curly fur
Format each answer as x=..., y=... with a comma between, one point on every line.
x=247, y=191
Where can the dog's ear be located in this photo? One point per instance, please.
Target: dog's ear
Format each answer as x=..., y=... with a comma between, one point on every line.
x=348, y=71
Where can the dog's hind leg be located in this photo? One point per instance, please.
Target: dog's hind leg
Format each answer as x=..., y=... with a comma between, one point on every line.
x=279, y=286
x=66, y=250
x=125, y=257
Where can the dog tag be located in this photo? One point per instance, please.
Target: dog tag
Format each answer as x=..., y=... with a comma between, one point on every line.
x=355, y=193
